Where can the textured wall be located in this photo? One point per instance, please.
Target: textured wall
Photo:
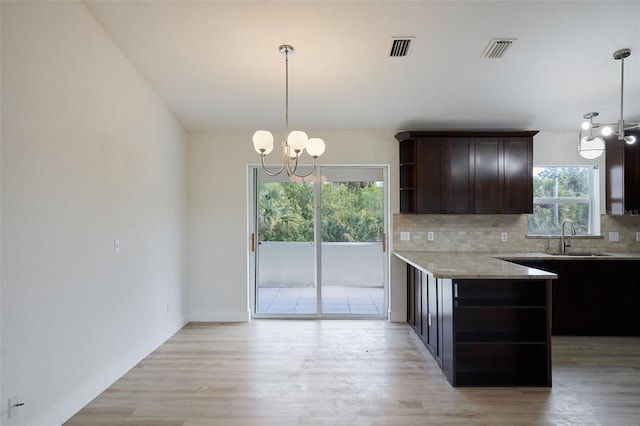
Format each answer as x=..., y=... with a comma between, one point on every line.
x=483, y=233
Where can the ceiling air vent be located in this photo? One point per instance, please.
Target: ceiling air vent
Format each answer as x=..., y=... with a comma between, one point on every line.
x=400, y=46
x=497, y=47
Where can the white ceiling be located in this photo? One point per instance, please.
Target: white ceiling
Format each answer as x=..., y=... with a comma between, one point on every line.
x=216, y=64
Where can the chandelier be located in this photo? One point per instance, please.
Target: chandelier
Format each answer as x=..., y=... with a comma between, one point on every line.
x=591, y=145
x=296, y=141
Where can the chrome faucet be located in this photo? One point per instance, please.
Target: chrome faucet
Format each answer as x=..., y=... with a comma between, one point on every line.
x=567, y=243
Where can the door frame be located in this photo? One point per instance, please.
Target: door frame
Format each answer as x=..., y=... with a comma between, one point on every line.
x=252, y=261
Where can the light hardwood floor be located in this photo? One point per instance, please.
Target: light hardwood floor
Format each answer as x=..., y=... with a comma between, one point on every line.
x=324, y=372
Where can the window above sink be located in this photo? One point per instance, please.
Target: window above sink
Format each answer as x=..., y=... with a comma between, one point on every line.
x=565, y=192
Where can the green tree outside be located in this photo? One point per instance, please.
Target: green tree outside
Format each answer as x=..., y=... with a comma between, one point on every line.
x=562, y=183
x=350, y=211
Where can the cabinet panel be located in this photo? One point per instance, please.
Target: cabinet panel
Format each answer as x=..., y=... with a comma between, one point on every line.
x=423, y=309
x=622, y=175
x=459, y=175
x=430, y=195
x=417, y=300
x=518, y=176
x=489, y=175
x=424, y=281
x=410, y=295
x=433, y=334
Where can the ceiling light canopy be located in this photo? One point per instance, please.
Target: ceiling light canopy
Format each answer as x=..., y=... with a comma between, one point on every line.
x=590, y=144
x=295, y=142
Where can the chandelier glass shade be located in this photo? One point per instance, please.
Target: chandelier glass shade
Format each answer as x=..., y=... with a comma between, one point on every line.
x=591, y=144
x=295, y=142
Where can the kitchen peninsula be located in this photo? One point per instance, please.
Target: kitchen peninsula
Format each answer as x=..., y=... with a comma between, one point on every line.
x=486, y=322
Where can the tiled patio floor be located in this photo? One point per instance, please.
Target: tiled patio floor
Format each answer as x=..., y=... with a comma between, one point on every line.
x=335, y=300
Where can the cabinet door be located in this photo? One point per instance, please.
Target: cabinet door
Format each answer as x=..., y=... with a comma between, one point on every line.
x=417, y=299
x=446, y=327
x=433, y=318
x=632, y=175
x=459, y=175
x=410, y=295
x=518, y=175
x=429, y=193
x=424, y=289
x=489, y=175
x=622, y=176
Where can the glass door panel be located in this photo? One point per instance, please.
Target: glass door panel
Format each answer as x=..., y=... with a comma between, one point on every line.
x=286, y=257
x=352, y=252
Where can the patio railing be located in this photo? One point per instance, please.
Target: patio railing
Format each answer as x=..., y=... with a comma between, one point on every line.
x=346, y=264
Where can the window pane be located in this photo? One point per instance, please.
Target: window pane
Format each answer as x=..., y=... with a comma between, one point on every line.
x=547, y=218
x=561, y=182
x=285, y=211
x=559, y=193
x=352, y=211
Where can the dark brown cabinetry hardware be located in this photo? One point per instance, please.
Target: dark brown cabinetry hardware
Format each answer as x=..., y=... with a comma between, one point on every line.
x=466, y=172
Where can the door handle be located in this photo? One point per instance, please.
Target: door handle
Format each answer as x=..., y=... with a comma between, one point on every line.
x=253, y=242
x=384, y=242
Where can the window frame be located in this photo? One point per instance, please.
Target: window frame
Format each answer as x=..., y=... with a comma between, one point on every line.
x=593, y=200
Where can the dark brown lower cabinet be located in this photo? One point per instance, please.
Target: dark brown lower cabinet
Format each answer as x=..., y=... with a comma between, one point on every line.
x=423, y=305
x=595, y=297
x=485, y=332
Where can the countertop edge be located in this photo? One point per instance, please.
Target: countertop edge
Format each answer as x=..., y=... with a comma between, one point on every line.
x=470, y=265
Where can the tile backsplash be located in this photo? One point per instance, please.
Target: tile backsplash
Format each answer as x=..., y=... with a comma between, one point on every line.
x=476, y=232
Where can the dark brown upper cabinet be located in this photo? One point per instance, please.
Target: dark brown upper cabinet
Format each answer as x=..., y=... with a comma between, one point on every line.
x=466, y=172
x=622, y=175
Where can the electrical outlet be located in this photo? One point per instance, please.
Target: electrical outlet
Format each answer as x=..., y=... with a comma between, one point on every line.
x=405, y=236
x=503, y=237
x=116, y=246
x=614, y=236
x=430, y=236
x=638, y=236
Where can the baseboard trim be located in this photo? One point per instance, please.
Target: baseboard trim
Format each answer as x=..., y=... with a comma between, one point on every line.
x=220, y=316
x=64, y=410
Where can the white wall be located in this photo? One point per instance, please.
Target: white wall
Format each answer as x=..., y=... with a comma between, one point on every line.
x=90, y=154
x=218, y=239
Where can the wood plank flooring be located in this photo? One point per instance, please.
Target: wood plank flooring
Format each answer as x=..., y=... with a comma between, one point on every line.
x=350, y=372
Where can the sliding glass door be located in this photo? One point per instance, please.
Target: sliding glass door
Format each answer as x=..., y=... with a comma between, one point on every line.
x=319, y=247
x=285, y=252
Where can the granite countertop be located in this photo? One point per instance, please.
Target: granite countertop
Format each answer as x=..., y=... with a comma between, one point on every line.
x=469, y=265
x=477, y=265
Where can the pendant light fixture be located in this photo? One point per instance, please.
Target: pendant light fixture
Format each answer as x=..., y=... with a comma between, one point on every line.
x=591, y=145
x=295, y=142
